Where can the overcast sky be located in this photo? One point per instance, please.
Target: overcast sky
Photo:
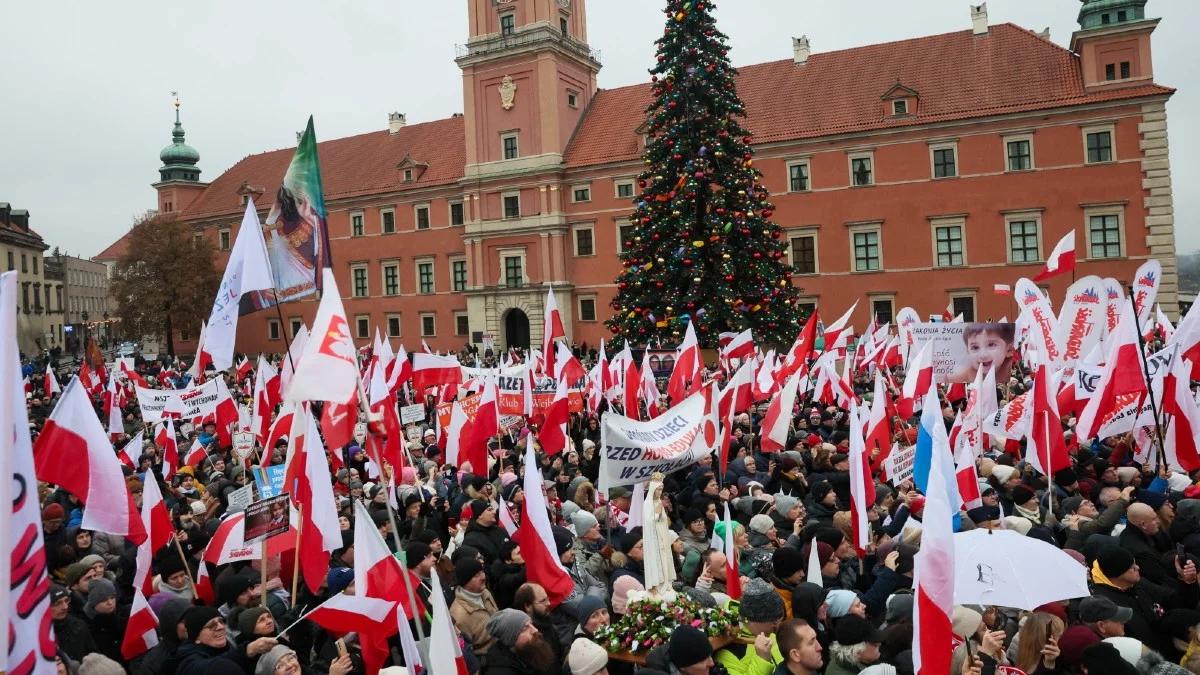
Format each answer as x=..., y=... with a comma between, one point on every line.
x=86, y=86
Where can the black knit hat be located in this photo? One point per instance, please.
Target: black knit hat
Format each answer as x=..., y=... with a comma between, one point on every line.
x=787, y=561
x=688, y=646
x=1065, y=477
x=415, y=552
x=853, y=629
x=478, y=506
x=562, y=539
x=466, y=569
x=1021, y=494
x=196, y=618
x=630, y=539
x=1114, y=561
x=691, y=515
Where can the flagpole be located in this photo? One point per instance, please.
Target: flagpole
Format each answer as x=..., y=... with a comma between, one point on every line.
x=1162, y=452
x=263, y=570
x=296, y=566
x=187, y=568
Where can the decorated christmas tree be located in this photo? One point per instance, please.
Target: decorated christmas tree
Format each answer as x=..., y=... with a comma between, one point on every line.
x=703, y=247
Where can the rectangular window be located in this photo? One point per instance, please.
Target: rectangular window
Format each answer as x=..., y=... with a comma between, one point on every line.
x=882, y=309
x=362, y=327
x=562, y=26
x=462, y=323
x=804, y=254
x=393, y=326
x=949, y=243
x=861, y=171
x=456, y=213
x=514, y=276
x=963, y=305
x=223, y=240
x=428, y=325
x=584, y=242
x=1023, y=241
x=10, y=261
x=296, y=325
x=458, y=272
x=24, y=264
x=798, y=177
x=425, y=278
x=944, y=164
x=625, y=234
x=866, y=251
x=1110, y=71
x=422, y=217
x=1099, y=147
x=1105, y=236
x=572, y=99
x=587, y=309
x=272, y=330
x=581, y=194
x=360, y=285
x=1020, y=155
x=391, y=279
x=1124, y=70
x=510, y=146
x=387, y=221
x=624, y=189
x=356, y=225
x=35, y=264
x=512, y=206
x=508, y=24
x=899, y=107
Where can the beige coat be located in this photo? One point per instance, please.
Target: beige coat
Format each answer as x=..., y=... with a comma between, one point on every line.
x=472, y=619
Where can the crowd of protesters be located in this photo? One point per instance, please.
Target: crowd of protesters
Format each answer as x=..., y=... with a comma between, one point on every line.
x=1137, y=532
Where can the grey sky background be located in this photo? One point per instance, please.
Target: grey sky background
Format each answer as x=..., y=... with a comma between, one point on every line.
x=86, y=86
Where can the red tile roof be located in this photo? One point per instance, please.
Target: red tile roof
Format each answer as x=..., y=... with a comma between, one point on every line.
x=114, y=251
x=352, y=166
x=958, y=76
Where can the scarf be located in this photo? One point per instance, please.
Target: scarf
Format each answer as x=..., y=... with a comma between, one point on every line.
x=1035, y=515
x=473, y=598
x=1099, y=578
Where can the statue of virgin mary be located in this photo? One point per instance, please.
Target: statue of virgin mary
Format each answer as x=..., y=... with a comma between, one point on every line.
x=659, y=561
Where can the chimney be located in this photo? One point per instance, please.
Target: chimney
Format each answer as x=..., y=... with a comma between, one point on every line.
x=979, y=19
x=801, y=49
x=396, y=122
x=1045, y=34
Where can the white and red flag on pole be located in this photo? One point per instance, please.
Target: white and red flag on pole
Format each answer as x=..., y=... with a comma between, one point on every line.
x=1180, y=438
x=836, y=336
x=536, y=538
x=377, y=573
x=740, y=346
x=196, y=454
x=553, y=435
x=1061, y=260
x=552, y=329
x=327, y=370
x=685, y=377
x=26, y=645
x=778, y=420
x=166, y=441
x=344, y=613
x=649, y=386
x=430, y=370
x=141, y=629
x=132, y=451
x=203, y=358
x=159, y=529
x=228, y=543
x=445, y=646
x=1046, y=449
x=287, y=368
x=74, y=453
x=457, y=436
x=566, y=366
x=266, y=397
x=733, y=577
x=50, y=384
x=1002, y=289
x=307, y=479
x=933, y=576
x=797, y=357
x=1122, y=374
x=482, y=428
x=248, y=269
x=862, y=485
x=917, y=380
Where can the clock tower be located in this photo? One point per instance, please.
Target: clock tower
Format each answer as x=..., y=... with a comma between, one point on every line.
x=528, y=77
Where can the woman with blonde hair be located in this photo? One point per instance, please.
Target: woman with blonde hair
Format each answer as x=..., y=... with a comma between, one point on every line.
x=1037, y=649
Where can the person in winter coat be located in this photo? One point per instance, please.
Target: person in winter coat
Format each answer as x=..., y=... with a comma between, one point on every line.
x=1149, y=544
x=472, y=604
x=207, y=649
x=1082, y=519
x=484, y=532
x=856, y=646
x=72, y=633
x=1115, y=575
x=507, y=573
x=106, y=620
x=170, y=631
x=520, y=649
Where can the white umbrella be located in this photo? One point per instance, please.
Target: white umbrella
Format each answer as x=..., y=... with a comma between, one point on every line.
x=1002, y=567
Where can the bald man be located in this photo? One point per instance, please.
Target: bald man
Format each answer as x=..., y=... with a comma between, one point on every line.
x=1146, y=540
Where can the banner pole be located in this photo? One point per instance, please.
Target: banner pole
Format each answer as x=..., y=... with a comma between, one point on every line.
x=296, y=566
x=187, y=568
x=1162, y=452
x=263, y=570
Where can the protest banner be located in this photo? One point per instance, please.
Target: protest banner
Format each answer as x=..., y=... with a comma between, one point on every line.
x=270, y=481
x=191, y=403
x=899, y=464
x=412, y=413
x=632, y=451
x=240, y=498
x=960, y=349
x=267, y=518
x=1037, y=316
x=1080, y=323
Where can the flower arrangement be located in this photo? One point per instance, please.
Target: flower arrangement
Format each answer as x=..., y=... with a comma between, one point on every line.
x=650, y=621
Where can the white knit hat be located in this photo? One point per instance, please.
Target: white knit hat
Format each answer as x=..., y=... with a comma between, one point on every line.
x=761, y=523
x=587, y=657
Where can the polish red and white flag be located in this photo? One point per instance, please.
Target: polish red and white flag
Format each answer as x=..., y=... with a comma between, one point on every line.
x=445, y=645
x=553, y=435
x=566, y=366
x=836, y=334
x=166, y=441
x=203, y=359
x=1061, y=260
x=649, y=386
x=933, y=578
x=778, y=420
x=204, y=586
x=141, y=630
x=733, y=575
x=74, y=453
x=797, y=357
x=132, y=451
x=552, y=329
x=344, y=613
x=689, y=366
x=328, y=369
x=740, y=346
x=266, y=397
x=159, y=529
x=430, y=370
x=917, y=380
x=862, y=485
x=457, y=436
x=536, y=538
x=377, y=573
x=1002, y=289
x=50, y=382
x=228, y=543
x=307, y=476
x=196, y=454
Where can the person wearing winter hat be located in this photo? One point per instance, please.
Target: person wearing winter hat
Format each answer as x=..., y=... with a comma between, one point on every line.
x=965, y=622
x=843, y=602
x=99, y=664
x=1099, y=618
x=787, y=570
x=72, y=632
x=207, y=648
x=695, y=532
x=855, y=646
x=1116, y=576
x=689, y=651
x=101, y=614
x=587, y=658
x=484, y=531
x=473, y=603
x=518, y=646
x=827, y=555
x=591, y=614
x=1104, y=658
x=756, y=649
x=621, y=589
x=340, y=580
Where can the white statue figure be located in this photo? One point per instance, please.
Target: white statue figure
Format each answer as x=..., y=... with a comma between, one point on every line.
x=659, y=561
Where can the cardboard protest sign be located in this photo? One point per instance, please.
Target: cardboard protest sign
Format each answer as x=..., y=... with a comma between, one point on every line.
x=267, y=518
x=412, y=413
x=190, y=403
x=270, y=481
x=960, y=349
x=899, y=464
x=240, y=498
x=632, y=451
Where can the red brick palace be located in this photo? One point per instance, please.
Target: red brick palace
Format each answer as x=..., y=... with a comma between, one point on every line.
x=913, y=173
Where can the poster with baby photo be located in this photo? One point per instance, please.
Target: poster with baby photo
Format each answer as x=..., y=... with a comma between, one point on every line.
x=960, y=350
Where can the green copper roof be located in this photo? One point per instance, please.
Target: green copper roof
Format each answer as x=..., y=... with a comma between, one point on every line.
x=1100, y=13
x=179, y=159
